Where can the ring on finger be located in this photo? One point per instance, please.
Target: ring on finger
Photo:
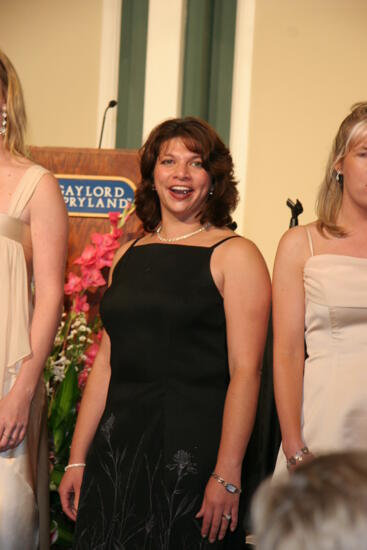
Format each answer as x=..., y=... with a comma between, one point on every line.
x=227, y=517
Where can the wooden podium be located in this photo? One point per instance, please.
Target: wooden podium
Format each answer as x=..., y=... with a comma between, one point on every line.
x=90, y=162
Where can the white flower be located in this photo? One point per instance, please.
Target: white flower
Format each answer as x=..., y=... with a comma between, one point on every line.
x=58, y=372
x=61, y=361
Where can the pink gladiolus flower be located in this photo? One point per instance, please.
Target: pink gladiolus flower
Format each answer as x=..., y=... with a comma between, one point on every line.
x=73, y=285
x=83, y=377
x=92, y=277
x=106, y=260
x=91, y=353
x=80, y=304
x=114, y=218
x=88, y=257
x=104, y=242
x=116, y=233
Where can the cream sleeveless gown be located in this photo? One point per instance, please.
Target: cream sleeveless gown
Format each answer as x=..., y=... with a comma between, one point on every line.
x=334, y=406
x=24, y=523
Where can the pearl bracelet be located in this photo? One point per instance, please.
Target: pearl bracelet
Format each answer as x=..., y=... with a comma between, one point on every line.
x=76, y=465
x=297, y=457
x=228, y=486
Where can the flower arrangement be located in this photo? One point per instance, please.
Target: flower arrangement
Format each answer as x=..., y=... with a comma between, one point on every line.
x=74, y=350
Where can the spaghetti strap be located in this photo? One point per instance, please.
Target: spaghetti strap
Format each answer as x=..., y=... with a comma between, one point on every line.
x=127, y=251
x=25, y=189
x=135, y=241
x=309, y=238
x=224, y=240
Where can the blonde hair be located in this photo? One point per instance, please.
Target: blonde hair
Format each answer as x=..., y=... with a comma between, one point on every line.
x=321, y=506
x=351, y=132
x=12, y=91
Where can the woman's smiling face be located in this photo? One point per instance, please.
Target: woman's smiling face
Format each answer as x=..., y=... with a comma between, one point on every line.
x=181, y=182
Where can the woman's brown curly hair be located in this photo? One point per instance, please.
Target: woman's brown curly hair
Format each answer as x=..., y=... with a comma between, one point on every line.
x=199, y=137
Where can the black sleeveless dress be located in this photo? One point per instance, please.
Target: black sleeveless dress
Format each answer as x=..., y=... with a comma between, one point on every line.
x=158, y=438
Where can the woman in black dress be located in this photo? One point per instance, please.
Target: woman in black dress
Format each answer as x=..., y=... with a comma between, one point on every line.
x=170, y=403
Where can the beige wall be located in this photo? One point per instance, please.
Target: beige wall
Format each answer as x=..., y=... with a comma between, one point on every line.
x=55, y=47
x=309, y=67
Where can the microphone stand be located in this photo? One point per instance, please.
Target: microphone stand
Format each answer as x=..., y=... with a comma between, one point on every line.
x=111, y=104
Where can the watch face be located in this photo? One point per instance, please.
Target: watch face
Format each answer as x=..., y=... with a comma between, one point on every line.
x=231, y=488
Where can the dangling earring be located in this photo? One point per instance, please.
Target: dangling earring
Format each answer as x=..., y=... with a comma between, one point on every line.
x=339, y=178
x=4, y=121
x=153, y=187
x=211, y=192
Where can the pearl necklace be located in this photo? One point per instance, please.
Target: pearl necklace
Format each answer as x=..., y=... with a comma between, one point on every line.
x=175, y=239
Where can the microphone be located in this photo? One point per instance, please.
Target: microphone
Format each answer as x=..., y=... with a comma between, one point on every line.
x=111, y=104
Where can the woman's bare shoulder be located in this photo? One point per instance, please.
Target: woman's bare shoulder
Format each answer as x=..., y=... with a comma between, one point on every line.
x=241, y=255
x=295, y=245
x=120, y=252
x=298, y=238
x=47, y=204
x=238, y=245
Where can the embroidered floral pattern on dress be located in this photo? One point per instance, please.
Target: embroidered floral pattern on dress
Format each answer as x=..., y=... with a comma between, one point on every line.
x=119, y=529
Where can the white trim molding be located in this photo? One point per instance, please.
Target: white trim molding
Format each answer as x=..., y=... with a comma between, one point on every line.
x=164, y=62
x=109, y=70
x=241, y=99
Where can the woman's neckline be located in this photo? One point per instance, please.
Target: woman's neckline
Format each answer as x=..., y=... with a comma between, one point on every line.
x=220, y=238
x=329, y=254
x=177, y=245
x=15, y=191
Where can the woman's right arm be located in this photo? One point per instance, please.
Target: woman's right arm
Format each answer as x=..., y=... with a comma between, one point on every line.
x=288, y=323
x=90, y=413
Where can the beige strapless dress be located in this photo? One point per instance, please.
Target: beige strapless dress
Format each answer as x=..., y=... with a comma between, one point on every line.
x=24, y=509
x=334, y=410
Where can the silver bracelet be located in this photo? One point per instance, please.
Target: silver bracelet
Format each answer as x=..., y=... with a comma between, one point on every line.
x=75, y=465
x=297, y=457
x=228, y=486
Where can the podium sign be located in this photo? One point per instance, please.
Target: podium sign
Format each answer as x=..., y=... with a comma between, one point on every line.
x=95, y=196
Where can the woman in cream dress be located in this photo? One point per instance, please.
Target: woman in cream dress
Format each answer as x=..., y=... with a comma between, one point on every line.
x=320, y=295
x=33, y=236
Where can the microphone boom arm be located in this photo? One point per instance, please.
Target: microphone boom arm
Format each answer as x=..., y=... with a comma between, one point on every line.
x=110, y=105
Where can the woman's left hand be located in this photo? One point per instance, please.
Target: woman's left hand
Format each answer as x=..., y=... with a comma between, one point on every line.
x=219, y=511
x=14, y=414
